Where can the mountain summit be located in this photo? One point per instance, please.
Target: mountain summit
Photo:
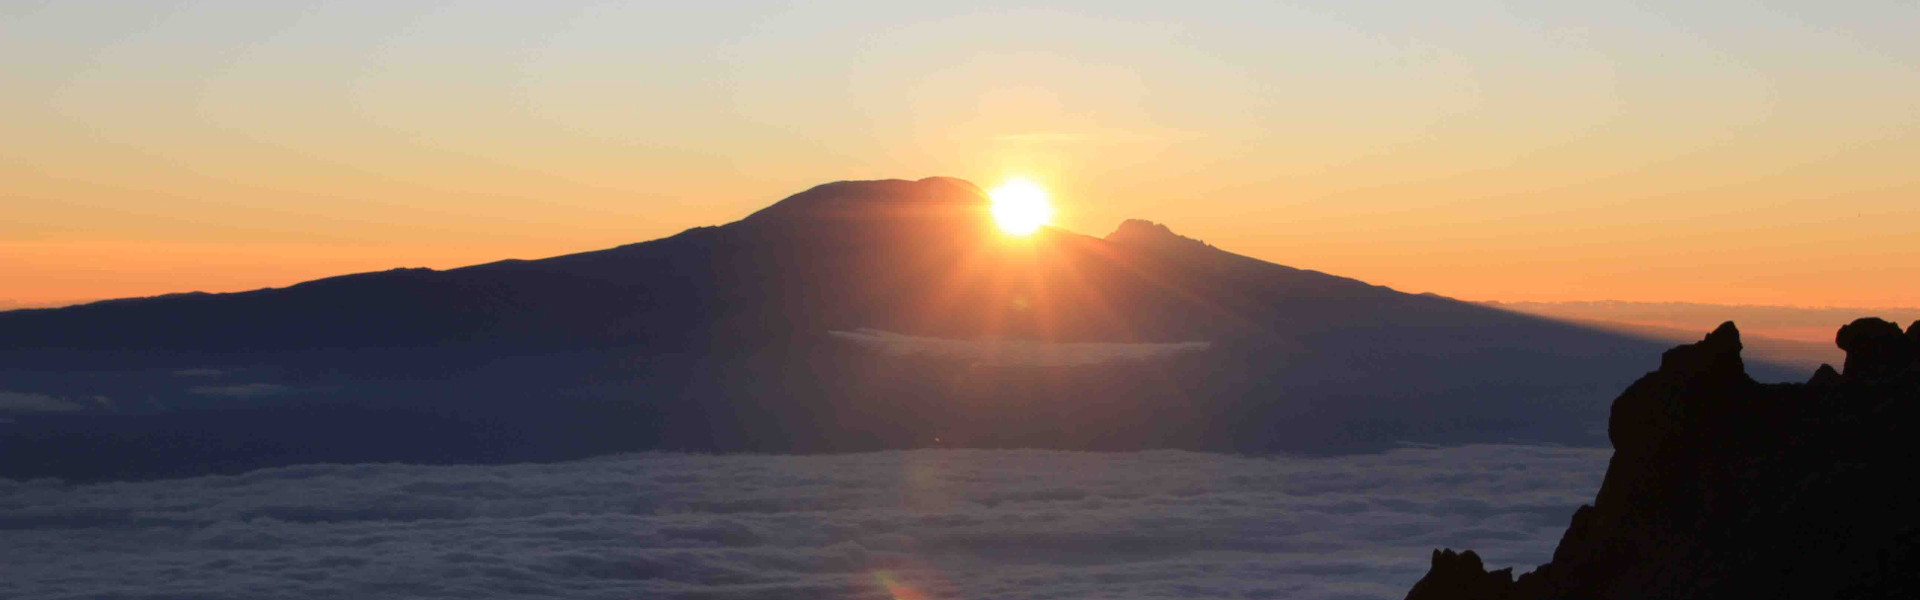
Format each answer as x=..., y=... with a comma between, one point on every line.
x=1144, y=233
x=942, y=198
x=892, y=207
x=855, y=315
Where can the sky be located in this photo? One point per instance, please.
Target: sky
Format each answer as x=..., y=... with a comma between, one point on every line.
x=1717, y=152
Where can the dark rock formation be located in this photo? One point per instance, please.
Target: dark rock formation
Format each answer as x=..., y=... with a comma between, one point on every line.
x=1721, y=487
x=1874, y=348
x=1824, y=376
x=1462, y=575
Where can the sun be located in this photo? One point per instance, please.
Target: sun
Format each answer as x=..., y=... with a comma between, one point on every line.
x=1021, y=206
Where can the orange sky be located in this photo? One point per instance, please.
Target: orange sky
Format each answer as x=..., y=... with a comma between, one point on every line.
x=1717, y=152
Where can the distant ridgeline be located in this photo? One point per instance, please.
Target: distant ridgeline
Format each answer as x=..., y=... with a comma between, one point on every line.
x=853, y=316
x=1721, y=487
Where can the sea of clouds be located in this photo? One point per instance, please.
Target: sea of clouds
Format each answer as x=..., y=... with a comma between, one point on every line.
x=931, y=524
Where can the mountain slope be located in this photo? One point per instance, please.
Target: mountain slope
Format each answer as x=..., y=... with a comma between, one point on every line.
x=851, y=316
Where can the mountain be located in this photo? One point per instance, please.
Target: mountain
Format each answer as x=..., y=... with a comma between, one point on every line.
x=1722, y=487
x=852, y=316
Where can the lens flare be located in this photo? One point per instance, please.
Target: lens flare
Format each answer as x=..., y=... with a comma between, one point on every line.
x=1021, y=207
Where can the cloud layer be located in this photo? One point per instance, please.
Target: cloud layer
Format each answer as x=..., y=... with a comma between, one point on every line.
x=943, y=523
x=1015, y=352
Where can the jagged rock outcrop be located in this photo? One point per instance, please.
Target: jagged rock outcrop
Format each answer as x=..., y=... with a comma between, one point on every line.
x=1148, y=234
x=1722, y=487
x=1875, y=348
x=1462, y=575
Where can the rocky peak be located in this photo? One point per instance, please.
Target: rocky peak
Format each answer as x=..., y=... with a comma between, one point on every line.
x=1461, y=575
x=1148, y=234
x=1715, y=357
x=1876, y=348
x=1692, y=387
x=1824, y=376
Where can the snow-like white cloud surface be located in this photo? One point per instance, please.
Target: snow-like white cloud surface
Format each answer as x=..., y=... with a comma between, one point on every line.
x=942, y=523
x=1015, y=352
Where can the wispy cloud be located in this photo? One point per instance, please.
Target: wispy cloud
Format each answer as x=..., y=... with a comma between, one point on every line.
x=1089, y=136
x=32, y=402
x=239, y=390
x=1043, y=137
x=1016, y=352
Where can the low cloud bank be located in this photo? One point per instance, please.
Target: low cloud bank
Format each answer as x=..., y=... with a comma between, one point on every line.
x=943, y=523
x=1794, y=323
x=1015, y=352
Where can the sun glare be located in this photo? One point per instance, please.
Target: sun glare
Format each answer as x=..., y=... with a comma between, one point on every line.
x=1021, y=206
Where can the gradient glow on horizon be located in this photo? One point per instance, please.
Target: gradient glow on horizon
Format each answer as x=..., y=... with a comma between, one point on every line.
x=1726, y=152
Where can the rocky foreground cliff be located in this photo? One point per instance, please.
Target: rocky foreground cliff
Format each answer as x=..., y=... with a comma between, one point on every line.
x=1722, y=487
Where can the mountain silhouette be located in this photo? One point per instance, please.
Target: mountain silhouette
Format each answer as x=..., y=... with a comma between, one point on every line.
x=1723, y=487
x=853, y=316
